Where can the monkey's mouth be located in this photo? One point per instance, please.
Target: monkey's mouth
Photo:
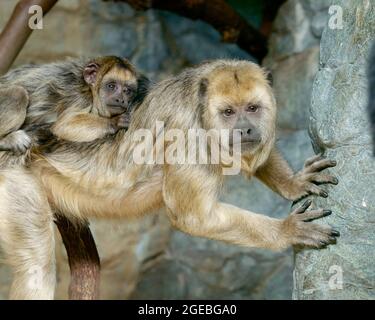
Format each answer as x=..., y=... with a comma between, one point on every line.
x=123, y=109
x=251, y=142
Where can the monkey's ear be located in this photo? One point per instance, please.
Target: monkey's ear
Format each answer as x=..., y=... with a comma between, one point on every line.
x=269, y=76
x=143, y=85
x=202, y=91
x=90, y=72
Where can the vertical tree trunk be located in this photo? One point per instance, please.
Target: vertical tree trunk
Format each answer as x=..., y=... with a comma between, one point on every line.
x=339, y=127
x=83, y=259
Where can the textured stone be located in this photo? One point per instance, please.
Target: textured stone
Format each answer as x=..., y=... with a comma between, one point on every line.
x=153, y=53
x=197, y=41
x=297, y=27
x=340, y=128
x=293, y=78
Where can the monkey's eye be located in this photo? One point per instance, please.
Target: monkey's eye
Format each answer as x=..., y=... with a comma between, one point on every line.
x=111, y=86
x=228, y=112
x=128, y=91
x=253, y=108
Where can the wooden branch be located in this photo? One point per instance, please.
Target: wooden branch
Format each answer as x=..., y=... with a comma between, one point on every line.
x=83, y=259
x=83, y=256
x=17, y=31
x=218, y=13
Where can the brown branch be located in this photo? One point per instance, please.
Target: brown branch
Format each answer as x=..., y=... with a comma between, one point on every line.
x=80, y=246
x=83, y=259
x=16, y=32
x=218, y=13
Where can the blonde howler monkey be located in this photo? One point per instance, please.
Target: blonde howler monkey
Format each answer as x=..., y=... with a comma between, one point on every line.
x=101, y=179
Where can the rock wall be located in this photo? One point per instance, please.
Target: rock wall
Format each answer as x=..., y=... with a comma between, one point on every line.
x=147, y=259
x=339, y=127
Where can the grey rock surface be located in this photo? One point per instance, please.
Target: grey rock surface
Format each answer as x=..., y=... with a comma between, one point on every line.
x=297, y=27
x=339, y=127
x=293, y=79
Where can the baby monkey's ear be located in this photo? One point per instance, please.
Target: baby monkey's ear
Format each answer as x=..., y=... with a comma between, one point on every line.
x=90, y=72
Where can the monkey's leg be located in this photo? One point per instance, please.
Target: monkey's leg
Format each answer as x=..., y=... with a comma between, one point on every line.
x=26, y=236
x=13, y=107
x=277, y=175
x=192, y=207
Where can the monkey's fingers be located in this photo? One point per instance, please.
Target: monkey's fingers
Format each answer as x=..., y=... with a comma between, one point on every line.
x=314, y=189
x=314, y=214
x=324, y=179
x=303, y=207
x=320, y=165
x=20, y=142
x=314, y=235
x=313, y=159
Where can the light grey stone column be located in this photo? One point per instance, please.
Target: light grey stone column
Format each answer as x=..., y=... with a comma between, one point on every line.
x=339, y=127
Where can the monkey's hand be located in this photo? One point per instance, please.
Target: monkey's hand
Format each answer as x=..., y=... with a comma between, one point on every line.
x=306, y=181
x=299, y=230
x=121, y=121
x=17, y=142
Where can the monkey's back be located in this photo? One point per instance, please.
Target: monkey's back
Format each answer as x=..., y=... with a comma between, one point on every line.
x=51, y=88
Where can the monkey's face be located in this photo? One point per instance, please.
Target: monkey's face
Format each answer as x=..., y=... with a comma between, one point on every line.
x=113, y=87
x=240, y=98
x=117, y=89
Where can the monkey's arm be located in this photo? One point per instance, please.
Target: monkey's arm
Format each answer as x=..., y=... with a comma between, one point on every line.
x=78, y=126
x=277, y=175
x=190, y=199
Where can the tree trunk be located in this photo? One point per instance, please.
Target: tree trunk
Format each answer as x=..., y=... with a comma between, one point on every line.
x=339, y=127
x=83, y=259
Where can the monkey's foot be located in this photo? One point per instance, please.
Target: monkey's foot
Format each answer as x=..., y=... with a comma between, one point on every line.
x=301, y=231
x=306, y=181
x=18, y=142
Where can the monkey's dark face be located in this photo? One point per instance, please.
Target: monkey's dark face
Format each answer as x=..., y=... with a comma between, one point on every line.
x=240, y=98
x=117, y=89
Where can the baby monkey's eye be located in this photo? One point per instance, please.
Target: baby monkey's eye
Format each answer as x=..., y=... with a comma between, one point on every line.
x=253, y=108
x=228, y=112
x=111, y=86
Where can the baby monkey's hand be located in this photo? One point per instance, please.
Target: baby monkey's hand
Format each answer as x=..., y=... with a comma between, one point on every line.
x=121, y=121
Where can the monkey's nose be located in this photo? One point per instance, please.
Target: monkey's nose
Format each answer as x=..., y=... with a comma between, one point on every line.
x=245, y=132
x=249, y=135
x=122, y=102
